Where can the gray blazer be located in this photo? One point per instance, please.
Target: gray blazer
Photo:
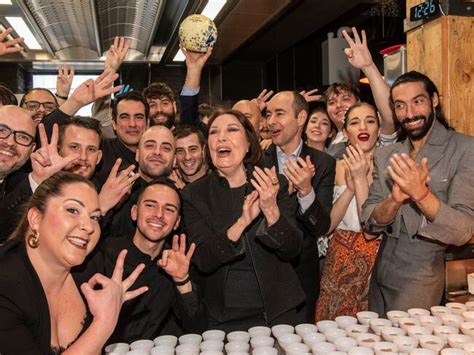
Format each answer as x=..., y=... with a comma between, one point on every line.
x=451, y=166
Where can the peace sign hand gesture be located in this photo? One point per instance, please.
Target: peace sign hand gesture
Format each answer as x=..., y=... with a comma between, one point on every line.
x=64, y=80
x=46, y=161
x=105, y=304
x=358, y=54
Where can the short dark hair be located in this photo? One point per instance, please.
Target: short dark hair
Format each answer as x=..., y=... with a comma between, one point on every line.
x=430, y=87
x=162, y=180
x=79, y=121
x=340, y=87
x=157, y=90
x=51, y=187
x=23, y=99
x=7, y=97
x=299, y=103
x=184, y=130
x=332, y=126
x=129, y=96
x=205, y=110
x=255, y=152
x=357, y=105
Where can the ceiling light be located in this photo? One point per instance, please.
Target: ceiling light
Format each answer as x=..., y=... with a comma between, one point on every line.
x=5, y=2
x=179, y=57
x=213, y=8
x=20, y=27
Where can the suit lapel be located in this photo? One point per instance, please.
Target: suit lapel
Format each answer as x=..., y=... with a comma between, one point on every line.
x=435, y=145
x=270, y=157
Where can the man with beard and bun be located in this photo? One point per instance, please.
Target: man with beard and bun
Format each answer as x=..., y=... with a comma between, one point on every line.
x=190, y=160
x=155, y=156
x=422, y=200
x=166, y=273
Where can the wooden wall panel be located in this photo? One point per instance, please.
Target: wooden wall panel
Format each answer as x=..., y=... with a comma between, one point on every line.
x=443, y=50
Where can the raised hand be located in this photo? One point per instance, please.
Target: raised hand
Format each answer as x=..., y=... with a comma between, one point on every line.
x=177, y=179
x=357, y=162
x=175, y=261
x=46, y=161
x=311, y=96
x=300, y=173
x=409, y=178
x=116, y=54
x=105, y=303
x=196, y=60
x=358, y=53
x=262, y=99
x=91, y=90
x=117, y=185
x=64, y=80
x=267, y=185
x=9, y=46
x=265, y=144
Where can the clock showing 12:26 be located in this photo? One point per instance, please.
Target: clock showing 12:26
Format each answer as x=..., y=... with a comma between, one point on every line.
x=424, y=10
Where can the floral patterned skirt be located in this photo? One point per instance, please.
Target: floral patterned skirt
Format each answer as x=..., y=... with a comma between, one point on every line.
x=345, y=277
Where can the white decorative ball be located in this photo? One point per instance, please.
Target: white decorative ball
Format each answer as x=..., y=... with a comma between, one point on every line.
x=197, y=33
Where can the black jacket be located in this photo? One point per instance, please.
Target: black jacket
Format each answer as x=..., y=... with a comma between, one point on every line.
x=145, y=316
x=24, y=313
x=207, y=216
x=314, y=222
x=15, y=192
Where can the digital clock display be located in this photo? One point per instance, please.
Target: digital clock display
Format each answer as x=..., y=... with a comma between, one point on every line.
x=424, y=10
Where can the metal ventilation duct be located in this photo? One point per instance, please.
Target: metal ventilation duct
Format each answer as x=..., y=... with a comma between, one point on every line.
x=71, y=27
x=137, y=20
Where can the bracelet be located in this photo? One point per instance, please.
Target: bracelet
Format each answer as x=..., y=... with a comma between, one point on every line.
x=425, y=195
x=181, y=283
x=61, y=97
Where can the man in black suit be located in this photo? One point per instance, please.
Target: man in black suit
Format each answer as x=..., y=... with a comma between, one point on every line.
x=311, y=175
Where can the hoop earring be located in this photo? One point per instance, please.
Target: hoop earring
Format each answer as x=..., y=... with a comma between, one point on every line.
x=33, y=239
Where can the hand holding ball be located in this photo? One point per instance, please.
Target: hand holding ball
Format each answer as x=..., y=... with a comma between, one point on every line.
x=197, y=33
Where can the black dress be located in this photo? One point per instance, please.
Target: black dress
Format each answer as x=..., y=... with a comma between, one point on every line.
x=25, y=326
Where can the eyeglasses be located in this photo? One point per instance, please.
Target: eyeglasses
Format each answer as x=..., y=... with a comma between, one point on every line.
x=21, y=138
x=34, y=105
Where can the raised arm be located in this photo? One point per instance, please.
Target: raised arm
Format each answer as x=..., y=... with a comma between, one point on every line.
x=359, y=56
x=195, y=63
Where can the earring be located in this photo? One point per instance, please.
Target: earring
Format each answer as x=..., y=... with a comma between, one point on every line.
x=33, y=239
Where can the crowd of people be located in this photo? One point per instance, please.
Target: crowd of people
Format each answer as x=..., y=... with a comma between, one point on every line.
x=137, y=221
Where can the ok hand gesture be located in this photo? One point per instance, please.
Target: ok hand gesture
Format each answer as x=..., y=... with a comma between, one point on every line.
x=105, y=304
x=175, y=261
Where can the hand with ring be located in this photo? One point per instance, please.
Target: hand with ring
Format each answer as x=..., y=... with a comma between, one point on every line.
x=266, y=184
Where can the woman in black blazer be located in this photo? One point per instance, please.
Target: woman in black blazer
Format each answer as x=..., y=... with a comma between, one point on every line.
x=242, y=221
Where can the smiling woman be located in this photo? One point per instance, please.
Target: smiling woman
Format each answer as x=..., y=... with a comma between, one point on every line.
x=242, y=221
x=41, y=309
